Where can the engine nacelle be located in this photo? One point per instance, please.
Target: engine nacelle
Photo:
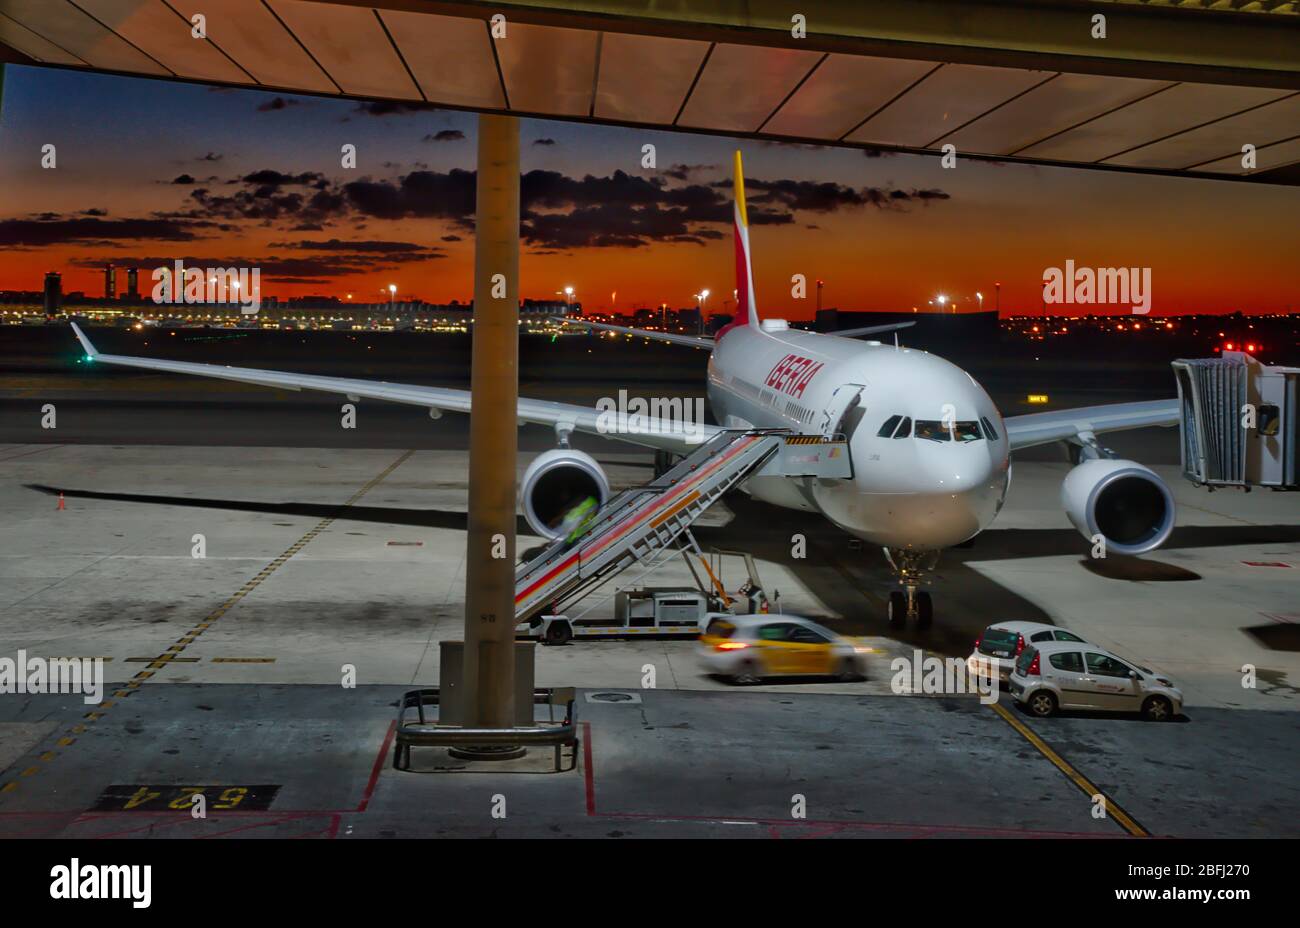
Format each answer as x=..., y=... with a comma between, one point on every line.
x=555, y=482
x=1124, y=502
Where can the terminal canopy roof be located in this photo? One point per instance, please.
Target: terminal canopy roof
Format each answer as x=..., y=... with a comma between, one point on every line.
x=1178, y=86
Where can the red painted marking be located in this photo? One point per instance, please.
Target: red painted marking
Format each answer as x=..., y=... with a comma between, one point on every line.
x=378, y=767
x=588, y=773
x=1280, y=619
x=1265, y=564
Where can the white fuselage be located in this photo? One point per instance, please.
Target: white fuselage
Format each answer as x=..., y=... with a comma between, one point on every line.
x=906, y=492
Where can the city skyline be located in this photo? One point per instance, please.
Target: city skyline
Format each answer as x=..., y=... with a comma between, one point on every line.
x=254, y=179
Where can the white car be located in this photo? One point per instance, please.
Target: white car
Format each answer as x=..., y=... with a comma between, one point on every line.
x=997, y=648
x=1065, y=675
x=747, y=648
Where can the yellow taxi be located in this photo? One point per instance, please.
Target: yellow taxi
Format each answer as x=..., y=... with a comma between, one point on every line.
x=747, y=648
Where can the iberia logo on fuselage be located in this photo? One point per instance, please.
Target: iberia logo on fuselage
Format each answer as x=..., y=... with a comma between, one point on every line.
x=792, y=374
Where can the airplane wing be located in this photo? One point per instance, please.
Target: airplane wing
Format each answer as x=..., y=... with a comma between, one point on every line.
x=871, y=329
x=1040, y=428
x=665, y=437
x=695, y=341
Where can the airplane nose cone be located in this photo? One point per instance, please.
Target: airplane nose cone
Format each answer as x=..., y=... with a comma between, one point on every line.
x=958, y=499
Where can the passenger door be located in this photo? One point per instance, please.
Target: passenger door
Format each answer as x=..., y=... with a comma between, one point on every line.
x=1065, y=671
x=1111, y=684
x=775, y=648
x=810, y=651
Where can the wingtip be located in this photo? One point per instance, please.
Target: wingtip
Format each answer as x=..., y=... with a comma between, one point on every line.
x=85, y=342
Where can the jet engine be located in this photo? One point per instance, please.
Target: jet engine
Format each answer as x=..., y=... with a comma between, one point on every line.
x=1126, y=503
x=555, y=482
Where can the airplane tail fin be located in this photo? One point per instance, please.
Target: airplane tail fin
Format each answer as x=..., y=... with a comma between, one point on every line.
x=746, y=311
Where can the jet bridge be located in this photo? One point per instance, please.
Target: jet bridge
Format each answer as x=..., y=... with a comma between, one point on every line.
x=1239, y=423
x=643, y=522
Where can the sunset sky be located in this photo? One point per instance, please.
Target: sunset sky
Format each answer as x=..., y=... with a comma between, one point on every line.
x=149, y=171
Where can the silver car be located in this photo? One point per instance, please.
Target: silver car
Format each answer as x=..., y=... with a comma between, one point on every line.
x=1065, y=675
x=998, y=646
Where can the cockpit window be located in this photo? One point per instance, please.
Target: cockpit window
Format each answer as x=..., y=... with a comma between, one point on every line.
x=932, y=429
x=937, y=430
x=895, y=427
x=989, y=431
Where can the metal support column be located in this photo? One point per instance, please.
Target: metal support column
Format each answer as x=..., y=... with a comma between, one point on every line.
x=489, y=664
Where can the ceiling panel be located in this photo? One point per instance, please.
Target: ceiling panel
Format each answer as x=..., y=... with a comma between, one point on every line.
x=451, y=57
x=1057, y=104
x=1154, y=117
x=351, y=46
x=1273, y=156
x=951, y=96
x=645, y=78
x=742, y=85
x=844, y=90
x=32, y=45
x=249, y=33
x=548, y=69
x=155, y=29
x=1269, y=123
x=68, y=27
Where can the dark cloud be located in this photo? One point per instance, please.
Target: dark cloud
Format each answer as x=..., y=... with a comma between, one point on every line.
x=335, y=244
x=420, y=194
x=52, y=229
x=277, y=103
x=94, y=211
x=389, y=108
x=543, y=141
x=451, y=238
x=684, y=171
x=210, y=156
x=445, y=135
x=186, y=179
x=827, y=196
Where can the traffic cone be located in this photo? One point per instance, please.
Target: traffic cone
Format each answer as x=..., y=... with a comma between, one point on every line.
x=60, y=500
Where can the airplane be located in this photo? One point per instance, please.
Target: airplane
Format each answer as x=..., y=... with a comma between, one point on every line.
x=930, y=452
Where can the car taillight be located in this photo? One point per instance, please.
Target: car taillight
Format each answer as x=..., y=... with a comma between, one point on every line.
x=730, y=645
x=1033, y=668
x=1020, y=644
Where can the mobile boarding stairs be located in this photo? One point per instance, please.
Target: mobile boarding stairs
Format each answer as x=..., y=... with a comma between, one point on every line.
x=643, y=524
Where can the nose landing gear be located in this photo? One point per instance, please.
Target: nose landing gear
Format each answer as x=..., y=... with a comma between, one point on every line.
x=911, y=602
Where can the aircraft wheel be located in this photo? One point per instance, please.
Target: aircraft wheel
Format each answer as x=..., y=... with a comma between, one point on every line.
x=897, y=610
x=924, y=610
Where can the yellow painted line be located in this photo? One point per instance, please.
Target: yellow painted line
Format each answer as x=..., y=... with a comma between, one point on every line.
x=170, y=656
x=1113, y=809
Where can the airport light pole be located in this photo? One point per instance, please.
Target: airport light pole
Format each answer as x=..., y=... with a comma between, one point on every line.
x=489, y=657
